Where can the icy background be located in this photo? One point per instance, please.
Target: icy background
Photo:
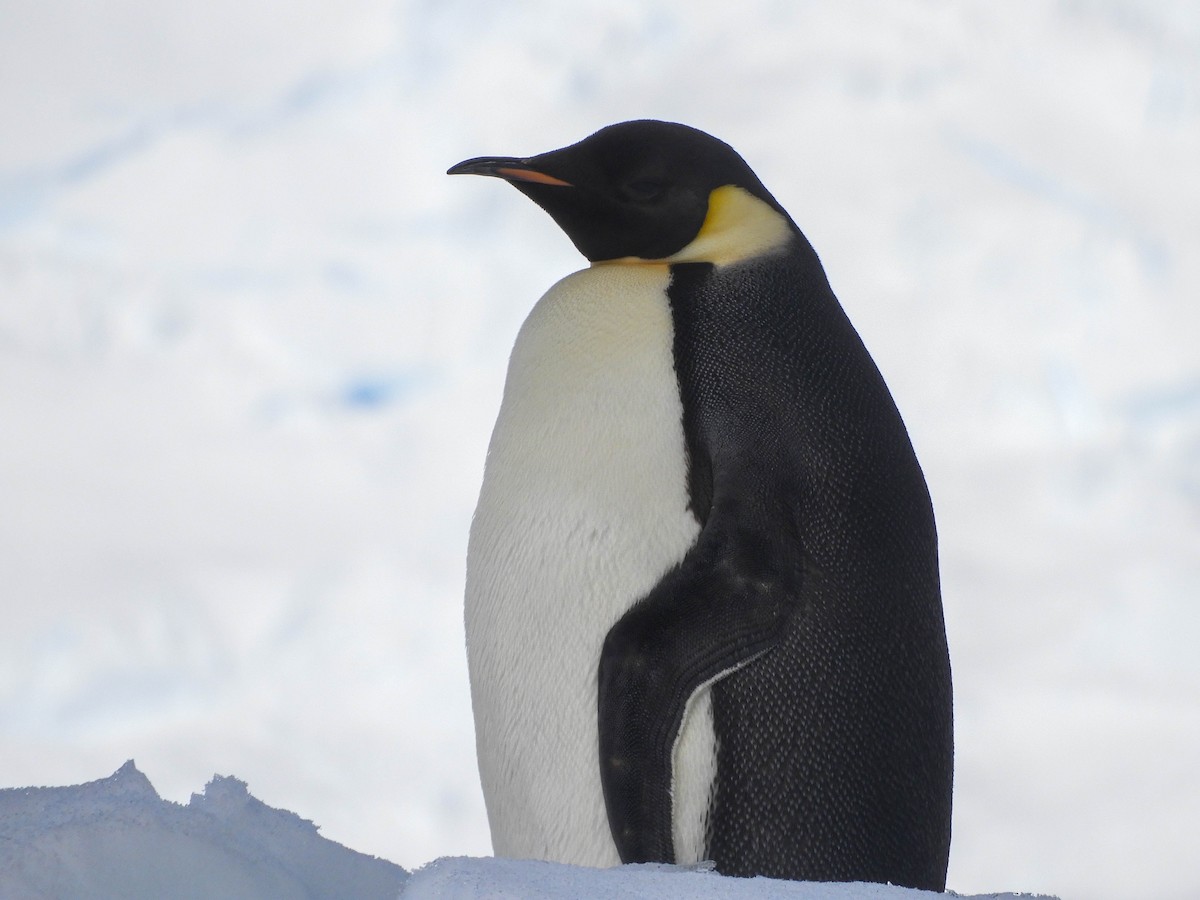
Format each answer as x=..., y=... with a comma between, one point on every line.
x=252, y=342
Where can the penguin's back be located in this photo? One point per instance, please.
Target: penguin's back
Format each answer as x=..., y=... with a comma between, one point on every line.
x=844, y=728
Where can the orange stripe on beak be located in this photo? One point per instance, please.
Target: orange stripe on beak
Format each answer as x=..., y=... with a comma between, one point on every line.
x=529, y=175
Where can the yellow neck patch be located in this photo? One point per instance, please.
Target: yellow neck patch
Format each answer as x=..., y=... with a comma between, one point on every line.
x=738, y=226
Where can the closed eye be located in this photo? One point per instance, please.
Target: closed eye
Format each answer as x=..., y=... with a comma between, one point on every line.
x=646, y=189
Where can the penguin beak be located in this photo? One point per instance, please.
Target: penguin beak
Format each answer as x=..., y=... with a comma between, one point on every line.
x=506, y=167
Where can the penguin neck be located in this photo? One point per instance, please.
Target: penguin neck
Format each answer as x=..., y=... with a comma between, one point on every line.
x=738, y=226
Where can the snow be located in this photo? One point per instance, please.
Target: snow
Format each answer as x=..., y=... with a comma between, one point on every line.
x=509, y=879
x=252, y=343
x=116, y=839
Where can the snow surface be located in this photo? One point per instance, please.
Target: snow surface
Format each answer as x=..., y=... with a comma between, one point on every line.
x=252, y=343
x=116, y=839
x=510, y=879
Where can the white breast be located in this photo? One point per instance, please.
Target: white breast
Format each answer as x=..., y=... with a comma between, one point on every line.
x=583, y=509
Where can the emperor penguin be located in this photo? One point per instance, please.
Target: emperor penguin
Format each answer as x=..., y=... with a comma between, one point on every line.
x=703, y=614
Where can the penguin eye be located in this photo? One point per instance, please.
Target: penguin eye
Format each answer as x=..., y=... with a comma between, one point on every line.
x=643, y=189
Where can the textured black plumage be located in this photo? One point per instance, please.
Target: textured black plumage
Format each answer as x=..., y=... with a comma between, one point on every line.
x=835, y=748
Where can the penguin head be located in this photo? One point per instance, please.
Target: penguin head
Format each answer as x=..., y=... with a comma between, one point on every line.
x=648, y=190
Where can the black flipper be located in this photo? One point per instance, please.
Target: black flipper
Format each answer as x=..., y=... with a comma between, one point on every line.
x=721, y=607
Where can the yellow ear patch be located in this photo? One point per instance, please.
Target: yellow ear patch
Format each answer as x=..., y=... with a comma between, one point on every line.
x=738, y=226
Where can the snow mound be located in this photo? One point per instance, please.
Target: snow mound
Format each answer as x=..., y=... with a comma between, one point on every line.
x=116, y=838
x=462, y=878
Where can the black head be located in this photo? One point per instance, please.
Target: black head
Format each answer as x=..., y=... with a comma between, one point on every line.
x=636, y=189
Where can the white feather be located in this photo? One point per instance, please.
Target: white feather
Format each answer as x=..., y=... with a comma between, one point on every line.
x=583, y=508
